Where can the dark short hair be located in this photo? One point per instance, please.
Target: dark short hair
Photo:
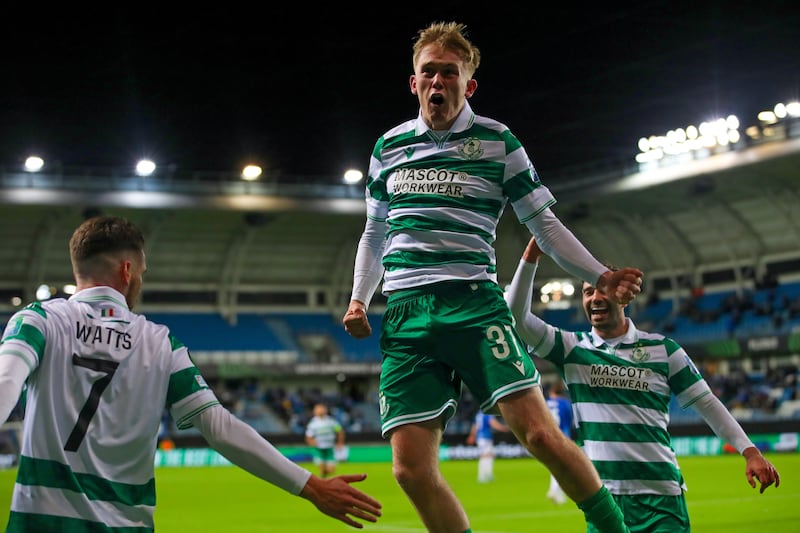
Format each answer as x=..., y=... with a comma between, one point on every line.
x=104, y=234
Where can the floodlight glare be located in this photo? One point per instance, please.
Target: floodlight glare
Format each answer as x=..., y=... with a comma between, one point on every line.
x=43, y=292
x=34, y=163
x=145, y=167
x=353, y=176
x=251, y=172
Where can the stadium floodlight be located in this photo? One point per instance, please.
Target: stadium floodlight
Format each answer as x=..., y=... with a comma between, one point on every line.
x=251, y=172
x=69, y=288
x=793, y=109
x=43, y=292
x=145, y=167
x=767, y=117
x=34, y=163
x=353, y=176
x=16, y=301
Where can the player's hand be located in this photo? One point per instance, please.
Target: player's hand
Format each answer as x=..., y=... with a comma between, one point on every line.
x=621, y=286
x=758, y=468
x=356, y=322
x=532, y=252
x=337, y=498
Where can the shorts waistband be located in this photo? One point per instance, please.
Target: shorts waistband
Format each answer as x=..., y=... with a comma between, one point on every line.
x=441, y=287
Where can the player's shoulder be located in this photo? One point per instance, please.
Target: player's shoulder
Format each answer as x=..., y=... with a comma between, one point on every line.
x=400, y=129
x=155, y=330
x=491, y=124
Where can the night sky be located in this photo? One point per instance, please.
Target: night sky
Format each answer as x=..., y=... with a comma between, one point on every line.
x=307, y=90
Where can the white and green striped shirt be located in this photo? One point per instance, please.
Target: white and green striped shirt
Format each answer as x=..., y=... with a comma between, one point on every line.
x=323, y=429
x=100, y=379
x=621, y=395
x=442, y=195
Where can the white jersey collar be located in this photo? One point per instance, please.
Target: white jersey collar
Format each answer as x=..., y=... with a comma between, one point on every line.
x=99, y=295
x=630, y=336
x=464, y=120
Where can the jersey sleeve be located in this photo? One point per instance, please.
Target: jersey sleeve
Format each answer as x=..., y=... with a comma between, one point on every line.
x=521, y=183
x=377, y=195
x=188, y=394
x=685, y=380
x=24, y=335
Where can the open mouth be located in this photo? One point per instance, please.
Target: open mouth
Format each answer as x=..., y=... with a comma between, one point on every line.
x=437, y=99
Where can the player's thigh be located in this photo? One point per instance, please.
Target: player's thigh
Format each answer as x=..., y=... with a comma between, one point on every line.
x=479, y=342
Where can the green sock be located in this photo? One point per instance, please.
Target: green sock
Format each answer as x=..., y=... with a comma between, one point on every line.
x=603, y=512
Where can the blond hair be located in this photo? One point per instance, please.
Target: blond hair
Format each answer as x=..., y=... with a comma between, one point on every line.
x=450, y=36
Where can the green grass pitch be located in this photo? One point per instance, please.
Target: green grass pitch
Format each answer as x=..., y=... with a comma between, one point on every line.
x=214, y=499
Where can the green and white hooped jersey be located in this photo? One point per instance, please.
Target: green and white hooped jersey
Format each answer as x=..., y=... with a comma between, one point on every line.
x=100, y=379
x=324, y=430
x=621, y=395
x=442, y=195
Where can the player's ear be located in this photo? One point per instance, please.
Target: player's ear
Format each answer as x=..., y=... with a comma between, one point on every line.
x=412, y=82
x=125, y=270
x=472, y=86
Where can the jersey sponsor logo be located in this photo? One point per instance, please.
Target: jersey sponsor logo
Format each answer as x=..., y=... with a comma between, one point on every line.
x=91, y=334
x=470, y=148
x=620, y=377
x=200, y=381
x=428, y=181
x=520, y=366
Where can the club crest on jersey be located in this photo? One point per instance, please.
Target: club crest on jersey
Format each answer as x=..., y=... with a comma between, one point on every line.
x=470, y=148
x=639, y=355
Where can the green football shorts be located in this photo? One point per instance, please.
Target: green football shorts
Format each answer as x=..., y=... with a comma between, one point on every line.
x=652, y=513
x=324, y=455
x=435, y=338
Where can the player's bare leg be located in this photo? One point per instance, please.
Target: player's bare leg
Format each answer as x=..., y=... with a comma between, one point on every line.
x=415, y=465
x=527, y=415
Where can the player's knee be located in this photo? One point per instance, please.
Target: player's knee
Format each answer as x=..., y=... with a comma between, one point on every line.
x=412, y=477
x=541, y=440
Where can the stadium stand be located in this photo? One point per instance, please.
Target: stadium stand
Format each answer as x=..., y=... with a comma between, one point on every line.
x=255, y=277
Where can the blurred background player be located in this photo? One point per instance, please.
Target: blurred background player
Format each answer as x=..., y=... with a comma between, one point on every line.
x=559, y=404
x=481, y=434
x=326, y=435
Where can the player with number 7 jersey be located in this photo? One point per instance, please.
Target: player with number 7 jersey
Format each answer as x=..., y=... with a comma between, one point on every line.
x=91, y=356
x=99, y=377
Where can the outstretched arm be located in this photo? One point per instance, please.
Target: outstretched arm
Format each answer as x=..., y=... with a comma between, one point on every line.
x=557, y=241
x=244, y=447
x=728, y=429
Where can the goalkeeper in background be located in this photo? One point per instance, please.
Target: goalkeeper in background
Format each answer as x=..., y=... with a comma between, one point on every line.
x=620, y=381
x=98, y=379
